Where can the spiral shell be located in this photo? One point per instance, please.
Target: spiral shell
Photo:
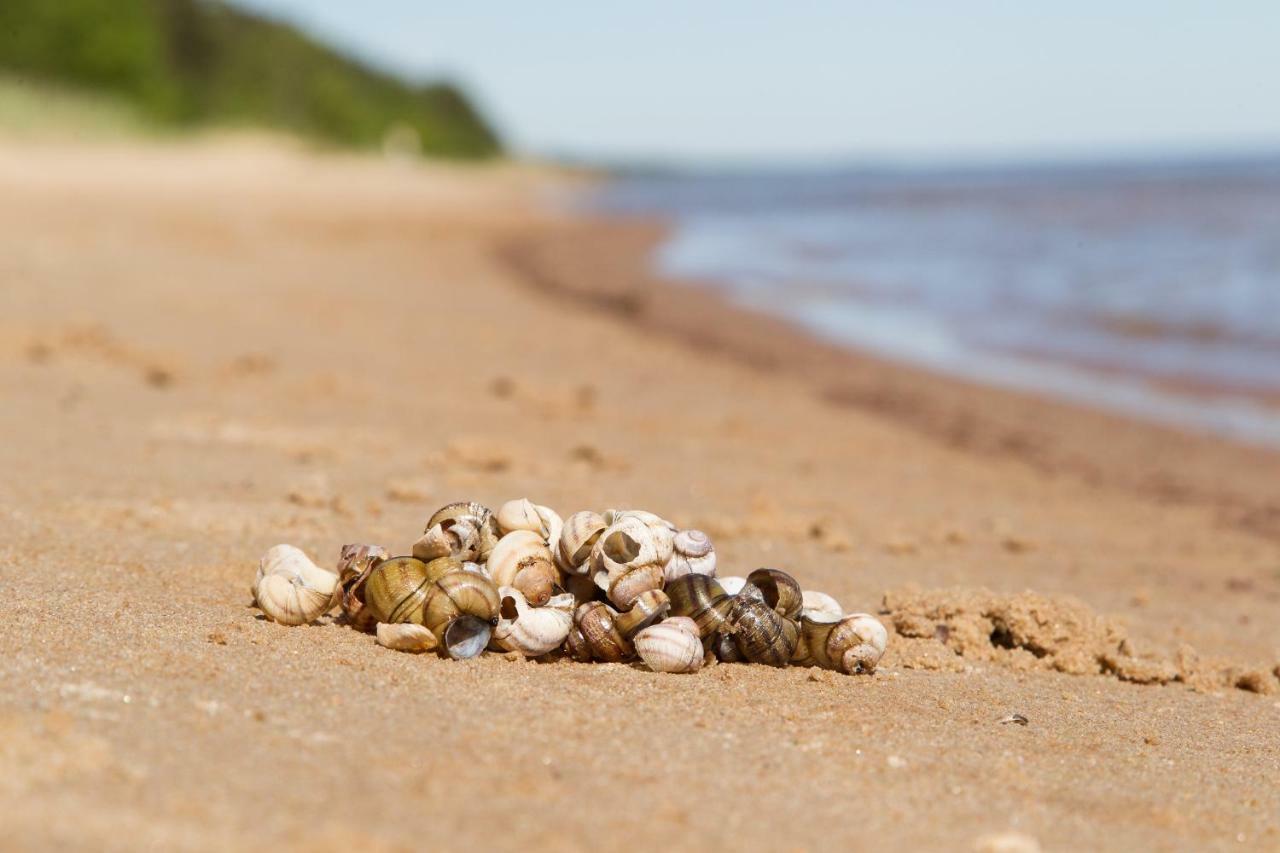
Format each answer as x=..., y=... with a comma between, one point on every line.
x=522, y=560
x=458, y=538
x=478, y=516
x=671, y=646
x=627, y=560
x=663, y=532
x=692, y=553
x=532, y=631
x=457, y=606
x=648, y=608
x=406, y=637
x=292, y=590
x=355, y=562
x=524, y=514
x=761, y=634
x=850, y=644
x=819, y=605
x=702, y=599
x=777, y=589
x=595, y=635
x=577, y=537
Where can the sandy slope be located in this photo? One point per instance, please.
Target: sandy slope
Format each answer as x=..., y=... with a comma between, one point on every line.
x=208, y=349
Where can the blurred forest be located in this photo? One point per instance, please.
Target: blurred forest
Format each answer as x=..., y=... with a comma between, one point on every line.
x=198, y=62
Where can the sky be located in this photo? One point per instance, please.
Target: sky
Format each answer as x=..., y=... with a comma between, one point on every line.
x=794, y=81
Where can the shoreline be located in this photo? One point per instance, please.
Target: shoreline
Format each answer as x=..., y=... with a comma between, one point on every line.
x=603, y=262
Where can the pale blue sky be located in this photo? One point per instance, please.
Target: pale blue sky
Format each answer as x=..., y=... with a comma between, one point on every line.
x=802, y=79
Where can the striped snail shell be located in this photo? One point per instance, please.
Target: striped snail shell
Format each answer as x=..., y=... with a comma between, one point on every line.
x=471, y=513
x=578, y=536
x=777, y=589
x=355, y=562
x=459, y=607
x=701, y=598
x=595, y=635
x=292, y=590
x=672, y=645
x=763, y=617
x=692, y=553
x=453, y=537
x=851, y=644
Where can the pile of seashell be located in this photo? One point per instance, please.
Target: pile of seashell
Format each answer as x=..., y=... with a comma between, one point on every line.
x=596, y=587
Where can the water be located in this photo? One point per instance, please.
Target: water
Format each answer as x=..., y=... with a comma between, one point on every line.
x=1153, y=290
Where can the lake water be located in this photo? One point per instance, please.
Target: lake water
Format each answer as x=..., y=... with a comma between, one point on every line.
x=1153, y=290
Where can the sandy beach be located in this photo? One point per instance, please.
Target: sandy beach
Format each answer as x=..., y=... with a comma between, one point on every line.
x=212, y=347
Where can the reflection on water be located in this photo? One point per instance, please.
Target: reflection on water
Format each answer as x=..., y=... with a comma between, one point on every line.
x=1152, y=289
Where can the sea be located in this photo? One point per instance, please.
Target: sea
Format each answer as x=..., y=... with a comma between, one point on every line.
x=1148, y=288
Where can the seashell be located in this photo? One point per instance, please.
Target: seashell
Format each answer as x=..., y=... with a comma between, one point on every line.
x=777, y=589
x=649, y=607
x=355, y=562
x=850, y=644
x=701, y=598
x=522, y=560
x=406, y=637
x=663, y=532
x=453, y=537
x=457, y=606
x=693, y=554
x=671, y=646
x=595, y=634
x=724, y=648
x=524, y=514
x=532, y=631
x=761, y=634
x=819, y=605
x=479, y=515
x=626, y=561
x=292, y=590
x=733, y=584
x=577, y=537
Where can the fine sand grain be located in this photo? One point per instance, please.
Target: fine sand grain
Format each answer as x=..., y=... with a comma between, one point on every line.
x=211, y=348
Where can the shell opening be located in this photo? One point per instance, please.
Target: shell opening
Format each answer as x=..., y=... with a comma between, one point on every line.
x=466, y=637
x=621, y=548
x=508, y=610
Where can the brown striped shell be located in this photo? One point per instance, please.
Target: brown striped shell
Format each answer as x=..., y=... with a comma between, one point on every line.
x=459, y=607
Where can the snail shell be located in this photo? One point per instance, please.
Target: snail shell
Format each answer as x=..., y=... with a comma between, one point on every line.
x=850, y=644
x=761, y=634
x=595, y=634
x=733, y=584
x=777, y=589
x=522, y=560
x=292, y=590
x=524, y=514
x=532, y=631
x=355, y=562
x=627, y=560
x=693, y=554
x=820, y=606
x=406, y=637
x=453, y=537
x=701, y=598
x=457, y=606
x=663, y=532
x=671, y=646
x=649, y=607
x=577, y=537
x=479, y=515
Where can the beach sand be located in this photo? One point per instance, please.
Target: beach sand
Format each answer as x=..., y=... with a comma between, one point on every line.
x=211, y=347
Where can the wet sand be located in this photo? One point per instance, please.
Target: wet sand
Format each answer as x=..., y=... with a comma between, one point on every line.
x=210, y=348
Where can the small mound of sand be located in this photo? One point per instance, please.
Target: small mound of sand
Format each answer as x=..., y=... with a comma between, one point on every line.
x=941, y=629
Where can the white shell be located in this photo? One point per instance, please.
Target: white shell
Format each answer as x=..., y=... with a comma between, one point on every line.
x=460, y=540
x=820, y=607
x=693, y=554
x=663, y=532
x=524, y=514
x=292, y=590
x=575, y=535
x=512, y=552
x=670, y=646
x=873, y=636
x=532, y=631
x=406, y=637
x=732, y=584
